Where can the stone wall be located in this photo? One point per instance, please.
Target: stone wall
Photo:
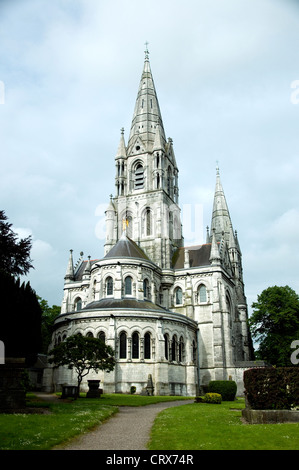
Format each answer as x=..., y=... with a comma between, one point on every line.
x=270, y=416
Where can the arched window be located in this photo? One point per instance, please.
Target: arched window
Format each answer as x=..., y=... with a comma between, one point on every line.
x=135, y=345
x=174, y=348
x=157, y=160
x=166, y=339
x=128, y=285
x=109, y=286
x=148, y=222
x=139, y=176
x=147, y=346
x=169, y=177
x=122, y=345
x=181, y=349
x=102, y=336
x=146, y=292
x=89, y=334
x=160, y=296
x=78, y=304
x=229, y=308
x=178, y=296
x=202, y=293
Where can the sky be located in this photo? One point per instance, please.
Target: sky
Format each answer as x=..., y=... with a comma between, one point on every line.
x=226, y=74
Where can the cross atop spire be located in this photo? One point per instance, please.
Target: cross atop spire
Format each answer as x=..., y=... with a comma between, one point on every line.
x=146, y=50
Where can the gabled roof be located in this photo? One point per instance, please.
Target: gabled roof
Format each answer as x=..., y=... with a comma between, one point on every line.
x=126, y=248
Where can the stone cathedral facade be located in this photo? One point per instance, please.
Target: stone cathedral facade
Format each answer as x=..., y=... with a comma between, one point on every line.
x=173, y=313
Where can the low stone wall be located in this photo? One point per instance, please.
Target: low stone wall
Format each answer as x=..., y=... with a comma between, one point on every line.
x=270, y=416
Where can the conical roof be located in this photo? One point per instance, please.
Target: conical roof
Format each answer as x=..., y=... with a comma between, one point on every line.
x=126, y=248
x=69, y=275
x=121, y=151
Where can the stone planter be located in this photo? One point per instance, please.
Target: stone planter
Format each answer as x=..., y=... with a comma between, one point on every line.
x=94, y=390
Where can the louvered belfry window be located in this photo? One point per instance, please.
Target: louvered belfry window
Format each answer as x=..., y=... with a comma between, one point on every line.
x=139, y=177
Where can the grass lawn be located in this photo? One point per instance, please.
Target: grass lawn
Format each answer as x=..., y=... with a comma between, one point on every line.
x=202, y=426
x=63, y=421
x=197, y=426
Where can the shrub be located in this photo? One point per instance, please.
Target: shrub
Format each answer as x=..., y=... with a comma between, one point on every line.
x=271, y=388
x=209, y=398
x=226, y=388
x=212, y=398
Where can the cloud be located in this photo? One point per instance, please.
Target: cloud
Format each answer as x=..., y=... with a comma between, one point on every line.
x=223, y=73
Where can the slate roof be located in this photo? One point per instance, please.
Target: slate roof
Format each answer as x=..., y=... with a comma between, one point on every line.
x=198, y=255
x=126, y=248
x=81, y=269
x=124, y=304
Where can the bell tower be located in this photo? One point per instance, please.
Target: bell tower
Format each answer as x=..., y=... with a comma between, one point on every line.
x=146, y=181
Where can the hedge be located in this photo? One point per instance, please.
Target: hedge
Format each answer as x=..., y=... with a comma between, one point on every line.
x=226, y=388
x=271, y=388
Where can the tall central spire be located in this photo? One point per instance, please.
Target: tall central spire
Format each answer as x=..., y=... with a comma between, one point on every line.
x=221, y=221
x=147, y=113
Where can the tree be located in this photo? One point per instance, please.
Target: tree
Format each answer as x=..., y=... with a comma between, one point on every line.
x=275, y=324
x=48, y=316
x=14, y=253
x=83, y=354
x=20, y=319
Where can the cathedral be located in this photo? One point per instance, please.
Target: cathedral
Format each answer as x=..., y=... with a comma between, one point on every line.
x=175, y=316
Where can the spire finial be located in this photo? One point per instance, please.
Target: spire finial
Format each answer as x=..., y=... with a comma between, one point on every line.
x=122, y=131
x=217, y=168
x=146, y=50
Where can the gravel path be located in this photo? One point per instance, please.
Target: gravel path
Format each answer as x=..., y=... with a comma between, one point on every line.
x=129, y=429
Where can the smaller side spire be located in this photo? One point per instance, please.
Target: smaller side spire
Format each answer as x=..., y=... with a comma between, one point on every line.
x=208, y=238
x=69, y=275
x=159, y=143
x=88, y=266
x=121, y=151
x=87, y=269
x=215, y=255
